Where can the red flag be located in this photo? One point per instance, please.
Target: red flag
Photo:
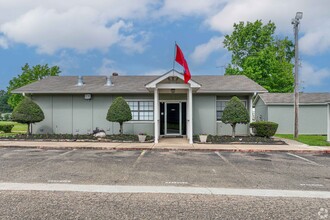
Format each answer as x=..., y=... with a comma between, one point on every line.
x=179, y=58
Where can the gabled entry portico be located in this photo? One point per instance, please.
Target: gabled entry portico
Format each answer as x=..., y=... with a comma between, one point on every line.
x=172, y=83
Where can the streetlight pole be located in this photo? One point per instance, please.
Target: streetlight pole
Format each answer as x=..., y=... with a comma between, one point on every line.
x=296, y=22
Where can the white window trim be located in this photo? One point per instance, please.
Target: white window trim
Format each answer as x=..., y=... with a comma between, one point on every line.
x=141, y=100
x=226, y=100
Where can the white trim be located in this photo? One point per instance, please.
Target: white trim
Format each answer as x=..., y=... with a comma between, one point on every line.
x=288, y=104
x=328, y=136
x=156, y=115
x=190, y=116
x=154, y=83
x=140, y=122
x=172, y=86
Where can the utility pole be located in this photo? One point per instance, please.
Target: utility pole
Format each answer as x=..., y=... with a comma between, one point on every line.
x=296, y=22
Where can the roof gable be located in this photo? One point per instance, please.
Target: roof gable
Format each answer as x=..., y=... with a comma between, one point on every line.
x=171, y=73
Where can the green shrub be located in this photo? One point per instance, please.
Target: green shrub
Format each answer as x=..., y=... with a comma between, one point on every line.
x=6, y=128
x=27, y=112
x=120, y=112
x=235, y=113
x=264, y=128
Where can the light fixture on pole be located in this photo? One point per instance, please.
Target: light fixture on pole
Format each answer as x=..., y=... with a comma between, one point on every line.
x=296, y=22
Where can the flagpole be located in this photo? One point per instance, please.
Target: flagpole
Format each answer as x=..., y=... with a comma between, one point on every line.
x=174, y=56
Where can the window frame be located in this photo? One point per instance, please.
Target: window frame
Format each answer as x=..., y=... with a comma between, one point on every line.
x=138, y=111
x=225, y=100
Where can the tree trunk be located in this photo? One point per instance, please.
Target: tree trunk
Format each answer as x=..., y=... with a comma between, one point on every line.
x=234, y=130
x=121, y=128
x=28, y=129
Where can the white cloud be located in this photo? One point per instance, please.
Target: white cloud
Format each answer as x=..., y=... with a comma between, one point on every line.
x=176, y=9
x=108, y=67
x=80, y=25
x=315, y=24
x=311, y=76
x=3, y=43
x=203, y=51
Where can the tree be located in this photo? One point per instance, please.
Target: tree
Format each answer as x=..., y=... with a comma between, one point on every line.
x=235, y=113
x=4, y=107
x=27, y=112
x=120, y=112
x=29, y=75
x=259, y=55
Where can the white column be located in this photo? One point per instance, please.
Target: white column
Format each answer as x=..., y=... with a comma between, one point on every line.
x=190, y=117
x=156, y=115
x=251, y=111
x=328, y=122
x=187, y=116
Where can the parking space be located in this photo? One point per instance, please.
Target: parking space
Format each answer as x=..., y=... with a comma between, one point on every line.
x=177, y=168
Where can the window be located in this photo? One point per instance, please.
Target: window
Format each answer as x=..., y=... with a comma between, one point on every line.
x=142, y=110
x=221, y=105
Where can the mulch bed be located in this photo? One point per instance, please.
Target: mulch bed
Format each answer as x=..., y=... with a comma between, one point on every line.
x=117, y=138
x=216, y=139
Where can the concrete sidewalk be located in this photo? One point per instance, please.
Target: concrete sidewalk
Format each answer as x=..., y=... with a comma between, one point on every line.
x=292, y=146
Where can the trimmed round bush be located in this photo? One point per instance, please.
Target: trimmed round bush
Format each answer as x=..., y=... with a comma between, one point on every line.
x=6, y=128
x=120, y=112
x=27, y=112
x=264, y=128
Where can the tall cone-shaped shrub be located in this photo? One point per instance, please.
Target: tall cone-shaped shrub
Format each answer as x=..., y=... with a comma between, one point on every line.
x=120, y=112
x=27, y=112
x=235, y=113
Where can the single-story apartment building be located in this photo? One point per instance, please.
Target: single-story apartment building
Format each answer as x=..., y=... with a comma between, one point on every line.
x=279, y=108
x=160, y=105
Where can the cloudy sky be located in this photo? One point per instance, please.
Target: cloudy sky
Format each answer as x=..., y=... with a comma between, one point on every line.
x=99, y=37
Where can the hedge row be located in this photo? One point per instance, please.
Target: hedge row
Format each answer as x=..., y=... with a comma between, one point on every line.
x=264, y=128
x=6, y=128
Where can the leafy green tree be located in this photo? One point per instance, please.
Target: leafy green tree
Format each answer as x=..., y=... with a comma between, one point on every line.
x=235, y=113
x=259, y=55
x=4, y=107
x=27, y=112
x=29, y=75
x=120, y=112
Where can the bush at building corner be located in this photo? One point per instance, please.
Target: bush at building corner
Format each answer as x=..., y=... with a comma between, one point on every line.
x=27, y=112
x=120, y=112
x=6, y=128
x=264, y=128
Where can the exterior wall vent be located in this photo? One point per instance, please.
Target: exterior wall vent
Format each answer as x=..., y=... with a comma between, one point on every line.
x=109, y=82
x=80, y=81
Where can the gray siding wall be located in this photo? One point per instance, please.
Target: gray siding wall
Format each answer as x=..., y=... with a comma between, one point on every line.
x=204, y=114
x=261, y=111
x=312, y=119
x=72, y=114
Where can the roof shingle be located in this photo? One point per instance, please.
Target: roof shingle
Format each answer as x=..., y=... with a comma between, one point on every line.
x=134, y=84
x=288, y=98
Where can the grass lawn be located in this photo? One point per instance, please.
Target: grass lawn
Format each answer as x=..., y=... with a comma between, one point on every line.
x=312, y=140
x=17, y=129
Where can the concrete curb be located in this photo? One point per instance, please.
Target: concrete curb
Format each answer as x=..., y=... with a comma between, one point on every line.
x=301, y=151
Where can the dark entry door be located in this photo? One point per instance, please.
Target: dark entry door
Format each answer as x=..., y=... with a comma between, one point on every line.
x=173, y=118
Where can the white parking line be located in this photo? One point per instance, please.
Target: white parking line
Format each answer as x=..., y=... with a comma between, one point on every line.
x=163, y=189
x=305, y=159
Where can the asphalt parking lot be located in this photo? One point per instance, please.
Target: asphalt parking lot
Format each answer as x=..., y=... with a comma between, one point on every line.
x=167, y=168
